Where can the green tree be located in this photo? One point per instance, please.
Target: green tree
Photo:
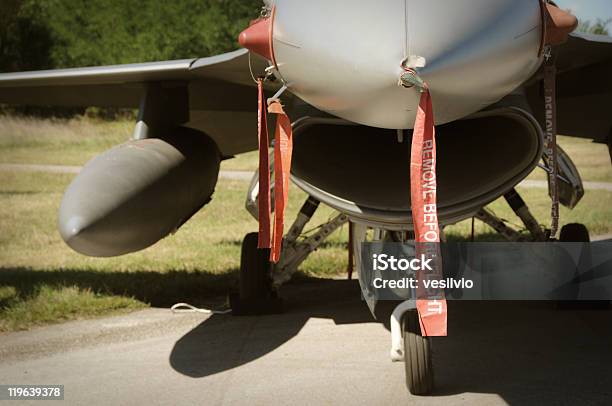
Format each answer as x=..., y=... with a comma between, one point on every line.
x=25, y=39
x=600, y=26
x=126, y=31
x=38, y=34
x=45, y=34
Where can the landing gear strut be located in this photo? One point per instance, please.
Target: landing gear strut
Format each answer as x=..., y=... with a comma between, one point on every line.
x=259, y=278
x=407, y=341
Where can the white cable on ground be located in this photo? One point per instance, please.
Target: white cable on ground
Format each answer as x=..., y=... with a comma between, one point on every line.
x=187, y=308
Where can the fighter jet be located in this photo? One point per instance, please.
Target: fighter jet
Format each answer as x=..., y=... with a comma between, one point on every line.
x=467, y=95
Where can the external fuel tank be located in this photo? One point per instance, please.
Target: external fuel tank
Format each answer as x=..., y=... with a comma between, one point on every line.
x=136, y=193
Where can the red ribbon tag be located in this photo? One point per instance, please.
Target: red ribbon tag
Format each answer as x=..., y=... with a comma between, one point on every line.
x=431, y=304
x=264, y=170
x=283, y=148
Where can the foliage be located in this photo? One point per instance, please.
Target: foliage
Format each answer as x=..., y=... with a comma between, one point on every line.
x=600, y=26
x=25, y=38
x=38, y=34
x=46, y=34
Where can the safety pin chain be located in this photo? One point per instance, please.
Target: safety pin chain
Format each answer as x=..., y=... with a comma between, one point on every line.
x=410, y=78
x=547, y=52
x=265, y=12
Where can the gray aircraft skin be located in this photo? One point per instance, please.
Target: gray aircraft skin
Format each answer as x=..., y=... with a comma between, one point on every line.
x=340, y=62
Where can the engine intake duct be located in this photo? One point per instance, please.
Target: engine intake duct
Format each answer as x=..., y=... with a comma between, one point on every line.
x=365, y=171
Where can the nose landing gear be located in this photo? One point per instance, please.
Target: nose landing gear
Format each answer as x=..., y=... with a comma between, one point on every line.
x=256, y=295
x=417, y=356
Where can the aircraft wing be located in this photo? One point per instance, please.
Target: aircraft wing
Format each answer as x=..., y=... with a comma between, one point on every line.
x=219, y=87
x=221, y=94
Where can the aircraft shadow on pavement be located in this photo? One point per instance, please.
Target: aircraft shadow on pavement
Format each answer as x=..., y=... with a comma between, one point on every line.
x=526, y=352
x=225, y=342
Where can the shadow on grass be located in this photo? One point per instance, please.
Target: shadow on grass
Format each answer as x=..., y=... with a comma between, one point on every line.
x=19, y=192
x=325, y=244
x=6, y=301
x=234, y=243
x=160, y=289
x=155, y=288
x=489, y=236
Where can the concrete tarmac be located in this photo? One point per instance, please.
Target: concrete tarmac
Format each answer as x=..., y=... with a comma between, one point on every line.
x=325, y=349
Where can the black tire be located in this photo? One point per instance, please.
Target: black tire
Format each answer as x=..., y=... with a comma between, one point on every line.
x=417, y=356
x=255, y=266
x=577, y=233
x=574, y=232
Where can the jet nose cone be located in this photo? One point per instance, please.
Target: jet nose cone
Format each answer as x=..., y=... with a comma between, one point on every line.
x=258, y=38
x=559, y=24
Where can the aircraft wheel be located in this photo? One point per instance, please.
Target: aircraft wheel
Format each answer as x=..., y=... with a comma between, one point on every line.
x=574, y=232
x=417, y=356
x=255, y=269
x=255, y=294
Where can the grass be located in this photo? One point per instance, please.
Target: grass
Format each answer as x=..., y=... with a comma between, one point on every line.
x=592, y=160
x=58, y=141
x=50, y=304
x=43, y=281
x=74, y=142
x=196, y=264
x=594, y=210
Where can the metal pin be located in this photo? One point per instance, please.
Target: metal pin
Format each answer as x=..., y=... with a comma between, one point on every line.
x=277, y=94
x=400, y=135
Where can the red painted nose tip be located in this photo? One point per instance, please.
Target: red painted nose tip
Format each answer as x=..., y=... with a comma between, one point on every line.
x=559, y=25
x=258, y=38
